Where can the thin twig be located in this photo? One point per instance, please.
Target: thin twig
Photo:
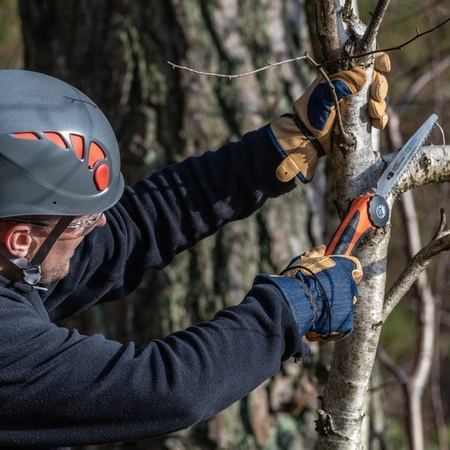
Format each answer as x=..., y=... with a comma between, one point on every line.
x=392, y=366
x=319, y=67
x=419, y=263
x=230, y=77
x=442, y=133
x=442, y=225
x=305, y=56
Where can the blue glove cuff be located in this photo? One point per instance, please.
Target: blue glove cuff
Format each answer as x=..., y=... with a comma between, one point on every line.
x=321, y=302
x=293, y=290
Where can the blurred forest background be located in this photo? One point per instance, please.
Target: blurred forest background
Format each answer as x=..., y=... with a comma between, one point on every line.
x=117, y=52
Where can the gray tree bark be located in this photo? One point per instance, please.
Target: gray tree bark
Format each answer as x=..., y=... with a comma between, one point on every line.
x=344, y=409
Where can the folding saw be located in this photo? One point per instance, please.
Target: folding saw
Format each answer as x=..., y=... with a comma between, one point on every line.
x=371, y=211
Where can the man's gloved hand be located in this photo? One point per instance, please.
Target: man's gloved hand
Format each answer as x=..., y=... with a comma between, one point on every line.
x=305, y=136
x=330, y=284
x=379, y=91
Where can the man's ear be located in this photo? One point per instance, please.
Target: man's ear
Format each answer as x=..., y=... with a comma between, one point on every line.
x=16, y=238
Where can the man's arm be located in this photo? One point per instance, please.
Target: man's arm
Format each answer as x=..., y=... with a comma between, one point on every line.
x=58, y=387
x=186, y=202
x=166, y=213
x=62, y=388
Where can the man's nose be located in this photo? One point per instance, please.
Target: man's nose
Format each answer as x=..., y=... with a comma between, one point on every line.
x=102, y=221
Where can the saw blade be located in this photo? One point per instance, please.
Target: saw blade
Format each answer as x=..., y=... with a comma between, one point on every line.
x=396, y=167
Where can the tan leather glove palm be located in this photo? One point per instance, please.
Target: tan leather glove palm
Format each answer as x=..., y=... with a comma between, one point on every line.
x=306, y=136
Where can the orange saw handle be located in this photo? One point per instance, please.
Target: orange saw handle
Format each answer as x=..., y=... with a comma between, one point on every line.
x=366, y=213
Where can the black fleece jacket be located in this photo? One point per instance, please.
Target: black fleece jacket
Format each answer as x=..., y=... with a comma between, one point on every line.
x=60, y=388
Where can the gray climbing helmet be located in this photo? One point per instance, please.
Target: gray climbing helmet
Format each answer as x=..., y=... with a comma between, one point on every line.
x=58, y=152
x=58, y=156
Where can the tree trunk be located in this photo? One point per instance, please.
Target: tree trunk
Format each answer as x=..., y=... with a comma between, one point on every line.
x=117, y=53
x=340, y=423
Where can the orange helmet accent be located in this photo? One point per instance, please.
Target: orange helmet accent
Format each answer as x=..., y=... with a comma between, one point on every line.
x=78, y=144
x=101, y=177
x=32, y=136
x=56, y=139
x=96, y=154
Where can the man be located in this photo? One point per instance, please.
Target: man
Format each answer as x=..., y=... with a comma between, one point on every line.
x=71, y=236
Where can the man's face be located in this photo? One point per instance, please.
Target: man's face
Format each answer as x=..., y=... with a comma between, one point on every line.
x=56, y=265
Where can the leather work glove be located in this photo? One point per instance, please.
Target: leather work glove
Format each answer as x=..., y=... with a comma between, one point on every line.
x=379, y=91
x=305, y=136
x=330, y=284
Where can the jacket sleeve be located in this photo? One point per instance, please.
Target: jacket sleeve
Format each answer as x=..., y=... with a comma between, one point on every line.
x=61, y=388
x=175, y=208
x=166, y=213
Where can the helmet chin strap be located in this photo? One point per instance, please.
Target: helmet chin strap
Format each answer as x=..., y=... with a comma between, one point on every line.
x=32, y=269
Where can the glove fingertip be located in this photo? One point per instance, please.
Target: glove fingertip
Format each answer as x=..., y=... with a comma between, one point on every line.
x=379, y=87
x=312, y=336
x=382, y=62
x=381, y=122
x=357, y=275
x=377, y=112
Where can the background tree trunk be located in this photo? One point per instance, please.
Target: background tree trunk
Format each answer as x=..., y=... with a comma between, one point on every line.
x=117, y=52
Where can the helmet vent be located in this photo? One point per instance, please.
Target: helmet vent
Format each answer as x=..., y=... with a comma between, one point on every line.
x=32, y=136
x=56, y=139
x=78, y=144
x=95, y=155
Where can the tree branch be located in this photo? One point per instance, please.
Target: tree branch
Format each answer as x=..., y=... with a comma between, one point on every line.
x=430, y=166
x=439, y=243
x=369, y=38
x=385, y=50
x=328, y=26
